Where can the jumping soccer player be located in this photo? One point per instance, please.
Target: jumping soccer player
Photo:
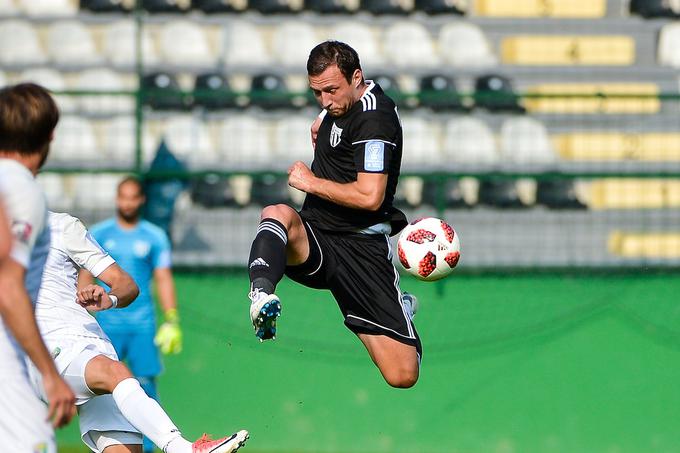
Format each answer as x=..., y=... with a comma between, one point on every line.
x=340, y=238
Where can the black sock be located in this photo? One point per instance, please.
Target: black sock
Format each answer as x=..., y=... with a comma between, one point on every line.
x=267, y=261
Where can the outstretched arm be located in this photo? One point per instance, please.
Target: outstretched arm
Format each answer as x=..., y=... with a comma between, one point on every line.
x=94, y=298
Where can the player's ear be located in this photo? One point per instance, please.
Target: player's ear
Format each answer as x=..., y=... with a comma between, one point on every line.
x=357, y=78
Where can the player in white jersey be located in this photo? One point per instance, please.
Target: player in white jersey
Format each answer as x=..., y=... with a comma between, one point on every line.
x=28, y=116
x=86, y=358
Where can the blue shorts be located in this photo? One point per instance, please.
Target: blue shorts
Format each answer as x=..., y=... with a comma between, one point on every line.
x=138, y=350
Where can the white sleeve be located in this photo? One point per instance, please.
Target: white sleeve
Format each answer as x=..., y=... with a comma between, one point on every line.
x=27, y=212
x=83, y=249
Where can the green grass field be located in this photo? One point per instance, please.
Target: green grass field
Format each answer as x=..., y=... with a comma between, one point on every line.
x=520, y=363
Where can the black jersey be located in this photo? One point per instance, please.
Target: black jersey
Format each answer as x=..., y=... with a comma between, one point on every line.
x=368, y=138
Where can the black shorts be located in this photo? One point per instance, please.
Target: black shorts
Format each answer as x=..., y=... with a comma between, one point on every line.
x=358, y=270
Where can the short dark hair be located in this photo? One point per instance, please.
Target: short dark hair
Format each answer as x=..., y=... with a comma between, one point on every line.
x=28, y=116
x=330, y=53
x=131, y=179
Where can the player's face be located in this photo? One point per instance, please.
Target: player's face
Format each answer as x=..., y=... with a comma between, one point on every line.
x=129, y=201
x=333, y=92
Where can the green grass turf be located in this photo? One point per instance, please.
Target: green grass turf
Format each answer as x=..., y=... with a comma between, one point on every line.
x=521, y=363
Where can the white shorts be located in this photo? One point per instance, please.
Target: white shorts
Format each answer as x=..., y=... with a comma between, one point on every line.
x=24, y=427
x=96, y=412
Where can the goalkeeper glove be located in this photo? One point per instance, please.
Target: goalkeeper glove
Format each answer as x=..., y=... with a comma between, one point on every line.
x=169, y=335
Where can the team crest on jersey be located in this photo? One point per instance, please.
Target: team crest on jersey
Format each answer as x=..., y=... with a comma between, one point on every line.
x=40, y=448
x=141, y=248
x=22, y=231
x=336, y=135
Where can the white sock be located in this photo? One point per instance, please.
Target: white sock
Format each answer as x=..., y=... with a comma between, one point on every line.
x=148, y=416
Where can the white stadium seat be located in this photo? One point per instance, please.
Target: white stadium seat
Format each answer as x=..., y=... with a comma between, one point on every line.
x=292, y=42
x=292, y=139
x=19, y=44
x=52, y=80
x=362, y=38
x=119, y=141
x=464, y=44
x=244, y=142
x=95, y=191
x=189, y=140
x=469, y=141
x=669, y=45
x=55, y=193
x=409, y=44
x=191, y=50
x=48, y=7
x=8, y=8
x=525, y=140
x=75, y=142
x=71, y=43
x=120, y=45
x=244, y=45
x=422, y=143
x=102, y=79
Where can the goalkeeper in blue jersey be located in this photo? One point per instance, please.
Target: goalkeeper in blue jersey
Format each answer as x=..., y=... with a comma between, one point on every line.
x=142, y=250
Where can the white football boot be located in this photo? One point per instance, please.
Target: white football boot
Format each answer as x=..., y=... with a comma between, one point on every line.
x=411, y=303
x=264, y=309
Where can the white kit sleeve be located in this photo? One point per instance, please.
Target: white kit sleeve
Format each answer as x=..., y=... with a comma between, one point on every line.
x=83, y=249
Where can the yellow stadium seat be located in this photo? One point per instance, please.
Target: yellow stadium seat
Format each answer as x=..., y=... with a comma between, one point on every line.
x=551, y=50
x=541, y=8
x=644, y=245
x=593, y=98
x=603, y=146
x=633, y=193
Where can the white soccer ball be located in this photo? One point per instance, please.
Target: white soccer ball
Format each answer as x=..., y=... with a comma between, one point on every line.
x=428, y=248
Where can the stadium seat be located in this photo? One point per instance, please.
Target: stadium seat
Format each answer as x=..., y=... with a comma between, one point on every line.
x=469, y=141
x=525, y=140
x=389, y=84
x=447, y=194
x=163, y=92
x=655, y=8
x=219, y=6
x=75, y=143
x=8, y=8
x=292, y=140
x=558, y=194
x=191, y=50
x=380, y=7
x=540, y=8
x=669, y=45
x=495, y=93
x=212, y=191
x=608, y=146
x=614, y=97
x=422, y=144
x=267, y=7
x=85, y=197
x=120, y=44
x=105, y=6
x=552, y=50
x=165, y=6
x=499, y=193
x=70, y=43
x=244, y=46
x=464, y=44
x=270, y=189
x=212, y=91
x=102, y=79
x=439, y=92
x=292, y=41
x=119, y=141
x=19, y=44
x=330, y=6
x=55, y=192
x=649, y=245
x=52, y=80
x=269, y=91
x=632, y=193
x=188, y=138
x=244, y=143
x=48, y=7
x=408, y=44
x=459, y=7
x=362, y=37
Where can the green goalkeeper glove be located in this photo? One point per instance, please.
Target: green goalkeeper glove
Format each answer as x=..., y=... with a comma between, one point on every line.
x=169, y=335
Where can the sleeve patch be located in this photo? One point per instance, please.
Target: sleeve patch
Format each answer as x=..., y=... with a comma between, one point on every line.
x=374, y=156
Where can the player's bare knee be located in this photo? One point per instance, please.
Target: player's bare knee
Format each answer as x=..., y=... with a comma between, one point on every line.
x=281, y=212
x=117, y=372
x=402, y=379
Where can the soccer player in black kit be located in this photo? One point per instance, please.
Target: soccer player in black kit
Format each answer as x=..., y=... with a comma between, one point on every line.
x=340, y=238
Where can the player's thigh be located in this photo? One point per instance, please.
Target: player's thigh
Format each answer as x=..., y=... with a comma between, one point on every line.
x=102, y=374
x=23, y=423
x=297, y=247
x=143, y=355
x=398, y=362
x=102, y=424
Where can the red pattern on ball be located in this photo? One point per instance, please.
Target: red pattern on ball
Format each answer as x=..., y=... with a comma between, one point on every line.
x=427, y=265
x=420, y=236
x=448, y=231
x=402, y=257
x=452, y=259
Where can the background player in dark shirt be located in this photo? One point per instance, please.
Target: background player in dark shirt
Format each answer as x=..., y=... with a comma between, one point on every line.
x=340, y=238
